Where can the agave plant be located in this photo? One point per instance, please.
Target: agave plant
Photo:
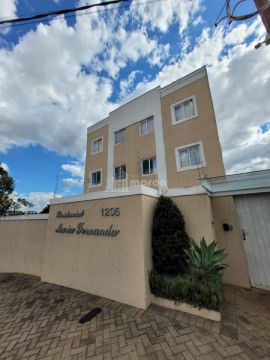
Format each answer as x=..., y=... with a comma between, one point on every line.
x=206, y=260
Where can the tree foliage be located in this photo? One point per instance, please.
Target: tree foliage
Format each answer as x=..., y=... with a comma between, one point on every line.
x=7, y=202
x=45, y=210
x=6, y=188
x=169, y=238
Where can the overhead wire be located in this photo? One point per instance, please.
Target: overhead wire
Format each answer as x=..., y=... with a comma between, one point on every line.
x=59, y=12
x=57, y=18
x=230, y=14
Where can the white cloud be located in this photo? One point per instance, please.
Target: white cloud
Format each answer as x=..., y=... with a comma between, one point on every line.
x=128, y=46
x=75, y=168
x=5, y=166
x=162, y=14
x=38, y=199
x=51, y=88
x=159, y=55
x=43, y=92
x=8, y=9
x=68, y=183
x=126, y=85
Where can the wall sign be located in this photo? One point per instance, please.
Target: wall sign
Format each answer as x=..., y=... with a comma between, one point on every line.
x=69, y=214
x=114, y=211
x=80, y=229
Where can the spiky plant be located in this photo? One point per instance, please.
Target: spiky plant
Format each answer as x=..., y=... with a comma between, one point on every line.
x=205, y=260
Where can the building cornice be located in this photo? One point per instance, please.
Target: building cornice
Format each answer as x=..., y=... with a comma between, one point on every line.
x=25, y=217
x=97, y=195
x=238, y=184
x=184, y=191
x=98, y=125
x=184, y=81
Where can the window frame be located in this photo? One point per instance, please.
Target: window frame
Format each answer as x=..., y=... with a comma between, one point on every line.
x=120, y=166
x=146, y=119
x=173, y=106
x=92, y=146
x=201, y=152
x=90, y=180
x=120, y=130
x=149, y=158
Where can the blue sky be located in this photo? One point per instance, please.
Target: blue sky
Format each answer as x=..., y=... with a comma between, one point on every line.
x=59, y=77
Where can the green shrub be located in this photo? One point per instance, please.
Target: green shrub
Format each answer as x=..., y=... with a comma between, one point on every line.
x=206, y=292
x=169, y=238
x=205, y=260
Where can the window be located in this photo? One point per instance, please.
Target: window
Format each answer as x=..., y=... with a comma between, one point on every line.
x=149, y=166
x=190, y=157
x=120, y=172
x=97, y=145
x=185, y=110
x=95, y=178
x=147, y=125
x=120, y=136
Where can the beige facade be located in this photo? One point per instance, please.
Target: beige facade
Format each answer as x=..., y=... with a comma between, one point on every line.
x=96, y=161
x=225, y=213
x=115, y=267
x=183, y=140
x=201, y=128
x=197, y=212
x=22, y=241
x=130, y=153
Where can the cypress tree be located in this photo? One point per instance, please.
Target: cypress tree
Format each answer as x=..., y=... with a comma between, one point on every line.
x=169, y=238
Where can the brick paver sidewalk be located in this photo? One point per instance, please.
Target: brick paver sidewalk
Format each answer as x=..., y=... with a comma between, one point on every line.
x=41, y=321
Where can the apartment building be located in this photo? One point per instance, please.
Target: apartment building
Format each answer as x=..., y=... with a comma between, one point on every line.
x=165, y=139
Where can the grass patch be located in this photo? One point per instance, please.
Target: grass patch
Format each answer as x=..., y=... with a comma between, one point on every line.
x=204, y=292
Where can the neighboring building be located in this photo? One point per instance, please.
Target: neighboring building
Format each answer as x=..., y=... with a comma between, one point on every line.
x=166, y=139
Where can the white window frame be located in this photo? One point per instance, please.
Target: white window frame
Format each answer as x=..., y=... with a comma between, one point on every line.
x=173, y=106
x=151, y=157
x=90, y=179
x=92, y=146
x=117, y=166
x=123, y=129
x=148, y=132
x=201, y=151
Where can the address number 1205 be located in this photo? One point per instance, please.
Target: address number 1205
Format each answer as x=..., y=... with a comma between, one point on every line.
x=110, y=211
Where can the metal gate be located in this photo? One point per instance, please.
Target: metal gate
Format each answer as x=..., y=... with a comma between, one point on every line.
x=254, y=218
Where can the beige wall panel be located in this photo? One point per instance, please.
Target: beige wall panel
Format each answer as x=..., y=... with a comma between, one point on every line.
x=130, y=153
x=21, y=246
x=97, y=161
x=224, y=212
x=148, y=206
x=197, y=213
x=203, y=127
x=113, y=267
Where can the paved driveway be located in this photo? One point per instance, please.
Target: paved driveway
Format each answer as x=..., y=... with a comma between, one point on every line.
x=41, y=321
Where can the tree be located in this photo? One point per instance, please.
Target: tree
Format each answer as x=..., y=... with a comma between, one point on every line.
x=45, y=210
x=18, y=203
x=6, y=188
x=169, y=238
x=7, y=202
